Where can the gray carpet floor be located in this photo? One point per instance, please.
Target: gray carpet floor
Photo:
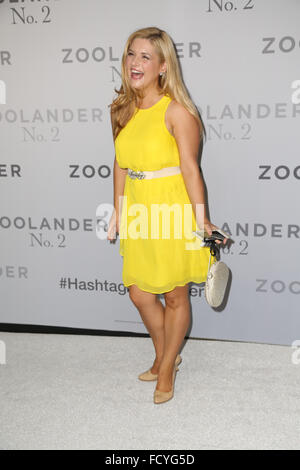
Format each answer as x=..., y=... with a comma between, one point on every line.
x=82, y=392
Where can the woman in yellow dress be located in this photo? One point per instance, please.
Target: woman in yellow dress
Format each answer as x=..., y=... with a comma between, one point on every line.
x=158, y=190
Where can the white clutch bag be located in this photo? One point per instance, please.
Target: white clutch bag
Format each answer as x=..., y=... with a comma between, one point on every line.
x=217, y=279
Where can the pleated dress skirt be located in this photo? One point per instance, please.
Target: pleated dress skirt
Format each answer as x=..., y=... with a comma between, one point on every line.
x=156, y=241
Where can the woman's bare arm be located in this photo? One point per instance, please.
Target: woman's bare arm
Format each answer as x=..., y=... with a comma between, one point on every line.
x=187, y=134
x=119, y=176
x=119, y=184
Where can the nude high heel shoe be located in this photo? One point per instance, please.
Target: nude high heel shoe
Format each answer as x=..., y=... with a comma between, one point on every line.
x=148, y=376
x=162, y=397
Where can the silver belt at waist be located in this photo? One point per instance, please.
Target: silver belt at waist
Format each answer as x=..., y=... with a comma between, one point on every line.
x=168, y=171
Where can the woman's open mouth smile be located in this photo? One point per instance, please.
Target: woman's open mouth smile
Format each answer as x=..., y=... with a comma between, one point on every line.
x=136, y=74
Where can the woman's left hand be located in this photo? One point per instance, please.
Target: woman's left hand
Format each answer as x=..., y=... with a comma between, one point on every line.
x=209, y=227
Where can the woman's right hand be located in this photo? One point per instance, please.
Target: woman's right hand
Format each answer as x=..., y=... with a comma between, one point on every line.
x=113, y=227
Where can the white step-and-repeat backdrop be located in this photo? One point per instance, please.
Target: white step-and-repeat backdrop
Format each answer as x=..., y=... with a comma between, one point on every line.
x=59, y=64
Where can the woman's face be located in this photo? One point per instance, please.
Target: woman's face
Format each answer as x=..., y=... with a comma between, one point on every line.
x=142, y=65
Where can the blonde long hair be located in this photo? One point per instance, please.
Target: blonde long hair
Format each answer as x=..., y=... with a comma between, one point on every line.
x=171, y=83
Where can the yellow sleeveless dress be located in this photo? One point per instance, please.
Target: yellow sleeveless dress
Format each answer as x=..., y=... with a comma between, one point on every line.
x=171, y=259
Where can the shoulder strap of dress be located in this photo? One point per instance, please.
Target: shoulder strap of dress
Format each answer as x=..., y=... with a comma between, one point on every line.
x=166, y=102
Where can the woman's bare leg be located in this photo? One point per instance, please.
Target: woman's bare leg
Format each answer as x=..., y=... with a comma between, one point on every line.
x=177, y=321
x=152, y=313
